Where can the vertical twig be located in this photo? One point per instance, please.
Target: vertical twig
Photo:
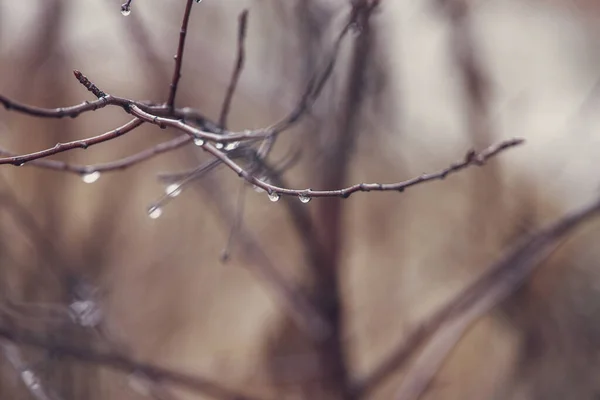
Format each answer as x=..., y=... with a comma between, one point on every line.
x=237, y=71
x=179, y=55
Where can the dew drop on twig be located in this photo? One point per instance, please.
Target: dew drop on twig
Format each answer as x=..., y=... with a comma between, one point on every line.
x=303, y=198
x=274, y=196
x=30, y=379
x=125, y=10
x=231, y=146
x=173, y=190
x=219, y=145
x=155, y=212
x=198, y=142
x=91, y=177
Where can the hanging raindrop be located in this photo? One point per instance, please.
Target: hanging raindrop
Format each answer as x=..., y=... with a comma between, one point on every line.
x=125, y=9
x=30, y=379
x=198, y=1
x=304, y=198
x=232, y=146
x=155, y=212
x=90, y=177
x=198, y=142
x=173, y=190
x=274, y=196
x=219, y=145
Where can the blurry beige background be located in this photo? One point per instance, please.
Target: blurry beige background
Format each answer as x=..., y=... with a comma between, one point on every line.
x=165, y=295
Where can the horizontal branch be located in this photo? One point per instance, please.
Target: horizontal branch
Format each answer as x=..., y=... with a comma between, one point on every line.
x=77, y=144
x=472, y=159
x=62, y=112
x=116, y=165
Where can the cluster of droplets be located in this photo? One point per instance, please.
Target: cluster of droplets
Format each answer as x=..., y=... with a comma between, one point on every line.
x=274, y=197
x=90, y=177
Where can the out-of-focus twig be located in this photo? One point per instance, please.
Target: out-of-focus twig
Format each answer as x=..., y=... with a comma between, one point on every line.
x=120, y=362
x=500, y=280
x=237, y=71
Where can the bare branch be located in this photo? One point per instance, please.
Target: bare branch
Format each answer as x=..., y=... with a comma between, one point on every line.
x=237, y=71
x=117, y=165
x=77, y=144
x=179, y=55
x=471, y=159
x=119, y=362
x=500, y=280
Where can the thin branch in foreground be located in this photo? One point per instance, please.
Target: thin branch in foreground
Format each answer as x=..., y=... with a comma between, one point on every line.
x=77, y=144
x=117, y=165
x=119, y=362
x=89, y=85
x=500, y=280
x=179, y=55
x=472, y=159
x=237, y=71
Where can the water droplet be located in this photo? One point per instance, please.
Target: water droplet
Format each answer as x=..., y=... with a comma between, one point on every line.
x=90, y=177
x=274, y=196
x=126, y=9
x=232, y=146
x=219, y=145
x=198, y=142
x=198, y=1
x=304, y=198
x=173, y=190
x=155, y=212
x=30, y=379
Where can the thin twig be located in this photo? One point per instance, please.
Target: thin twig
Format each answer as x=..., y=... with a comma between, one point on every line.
x=119, y=362
x=472, y=159
x=77, y=144
x=237, y=71
x=237, y=223
x=500, y=280
x=117, y=165
x=179, y=55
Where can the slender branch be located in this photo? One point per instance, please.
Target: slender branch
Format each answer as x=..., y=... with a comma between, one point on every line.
x=81, y=144
x=179, y=55
x=61, y=112
x=117, y=165
x=119, y=362
x=472, y=159
x=500, y=280
x=237, y=71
